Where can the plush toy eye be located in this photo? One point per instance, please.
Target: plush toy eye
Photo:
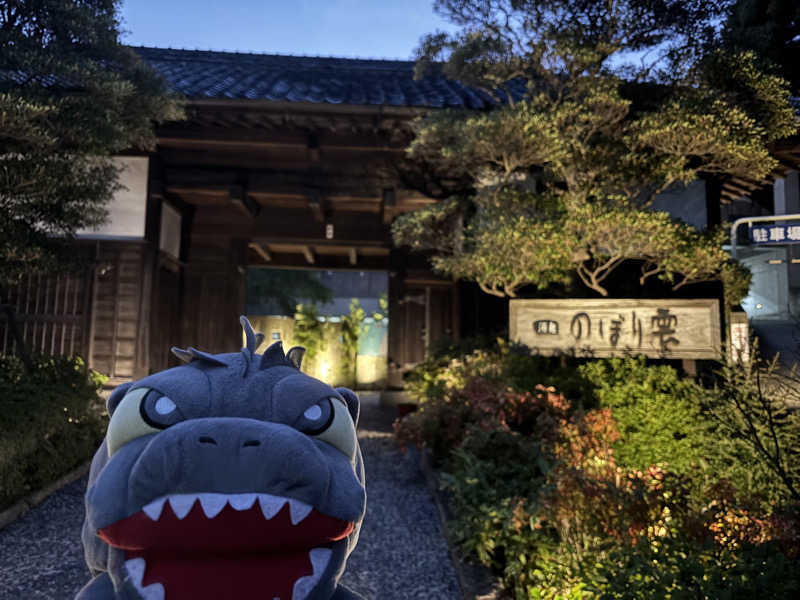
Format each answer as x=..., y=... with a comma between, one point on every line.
x=158, y=410
x=330, y=422
x=317, y=418
x=141, y=412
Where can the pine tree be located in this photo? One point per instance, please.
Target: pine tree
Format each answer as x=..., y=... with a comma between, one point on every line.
x=598, y=108
x=71, y=96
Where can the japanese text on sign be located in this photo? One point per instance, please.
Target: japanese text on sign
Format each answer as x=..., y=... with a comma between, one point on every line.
x=775, y=234
x=658, y=328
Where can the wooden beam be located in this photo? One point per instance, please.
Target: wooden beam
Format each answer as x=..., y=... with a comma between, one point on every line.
x=232, y=138
x=309, y=254
x=353, y=256
x=332, y=262
x=352, y=229
x=261, y=251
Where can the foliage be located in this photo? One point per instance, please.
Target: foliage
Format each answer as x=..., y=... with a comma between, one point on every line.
x=771, y=30
x=352, y=330
x=70, y=96
x=758, y=434
x=505, y=253
x=581, y=141
x=660, y=489
x=484, y=388
x=658, y=413
x=51, y=421
x=286, y=286
x=513, y=366
x=310, y=331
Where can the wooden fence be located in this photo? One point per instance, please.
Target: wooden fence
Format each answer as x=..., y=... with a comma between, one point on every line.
x=52, y=313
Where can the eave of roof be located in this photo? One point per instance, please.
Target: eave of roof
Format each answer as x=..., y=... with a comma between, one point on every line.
x=202, y=75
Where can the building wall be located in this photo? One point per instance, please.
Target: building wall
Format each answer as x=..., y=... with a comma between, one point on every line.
x=685, y=203
x=787, y=201
x=120, y=313
x=127, y=210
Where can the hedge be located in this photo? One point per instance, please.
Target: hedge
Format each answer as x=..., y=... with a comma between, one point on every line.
x=51, y=421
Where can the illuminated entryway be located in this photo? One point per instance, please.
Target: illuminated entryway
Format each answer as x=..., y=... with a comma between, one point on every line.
x=337, y=302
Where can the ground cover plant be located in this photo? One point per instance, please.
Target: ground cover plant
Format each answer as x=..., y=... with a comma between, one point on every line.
x=51, y=421
x=636, y=484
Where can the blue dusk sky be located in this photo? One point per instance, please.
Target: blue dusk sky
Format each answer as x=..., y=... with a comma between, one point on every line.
x=345, y=28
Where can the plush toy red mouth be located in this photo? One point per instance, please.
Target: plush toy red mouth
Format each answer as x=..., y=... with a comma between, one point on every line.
x=226, y=546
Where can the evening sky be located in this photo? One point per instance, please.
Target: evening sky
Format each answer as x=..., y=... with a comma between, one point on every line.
x=345, y=28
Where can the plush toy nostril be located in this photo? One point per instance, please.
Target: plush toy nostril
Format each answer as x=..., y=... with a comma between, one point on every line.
x=251, y=443
x=204, y=439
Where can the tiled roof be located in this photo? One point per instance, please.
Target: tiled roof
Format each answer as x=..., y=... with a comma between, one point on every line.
x=200, y=74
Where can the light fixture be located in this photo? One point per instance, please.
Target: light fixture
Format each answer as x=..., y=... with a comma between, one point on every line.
x=329, y=231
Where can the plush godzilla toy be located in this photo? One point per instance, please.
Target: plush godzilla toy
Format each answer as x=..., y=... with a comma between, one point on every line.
x=233, y=477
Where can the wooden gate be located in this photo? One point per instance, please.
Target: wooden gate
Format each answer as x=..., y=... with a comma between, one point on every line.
x=421, y=313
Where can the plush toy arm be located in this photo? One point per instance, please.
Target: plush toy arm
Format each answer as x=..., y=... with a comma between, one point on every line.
x=342, y=593
x=99, y=588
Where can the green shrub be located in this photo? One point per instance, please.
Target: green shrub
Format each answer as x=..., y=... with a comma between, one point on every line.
x=677, y=568
x=659, y=414
x=487, y=479
x=756, y=435
x=664, y=489
x=509, y=365
x=51, y=421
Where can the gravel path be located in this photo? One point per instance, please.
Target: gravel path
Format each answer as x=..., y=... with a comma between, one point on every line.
x=401, y=553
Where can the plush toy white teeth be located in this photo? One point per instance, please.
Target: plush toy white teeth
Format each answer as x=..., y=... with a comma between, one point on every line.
x=153, y=510
x=298, y=511
x=213, y=504
x=242, y=501
x=181, y=504
x=320, y=557
x=270, y=505
x=135, y=568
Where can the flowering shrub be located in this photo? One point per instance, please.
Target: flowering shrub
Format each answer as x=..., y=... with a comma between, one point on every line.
x=568, y=503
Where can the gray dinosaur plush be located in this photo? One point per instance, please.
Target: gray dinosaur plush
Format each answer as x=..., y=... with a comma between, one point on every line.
x=233, y=477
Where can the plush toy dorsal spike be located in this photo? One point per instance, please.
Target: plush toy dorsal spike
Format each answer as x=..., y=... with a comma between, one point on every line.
x=274, y=356
x=249, y=334
x=295, y=356
x=259, y=340
x=247, y=357
x=195, y=354
x=182, y=354
x=206, y=357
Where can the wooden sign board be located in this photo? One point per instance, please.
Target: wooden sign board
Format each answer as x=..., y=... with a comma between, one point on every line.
x=685, y=329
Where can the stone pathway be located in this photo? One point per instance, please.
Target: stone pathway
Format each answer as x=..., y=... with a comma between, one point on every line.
x=401, y=553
